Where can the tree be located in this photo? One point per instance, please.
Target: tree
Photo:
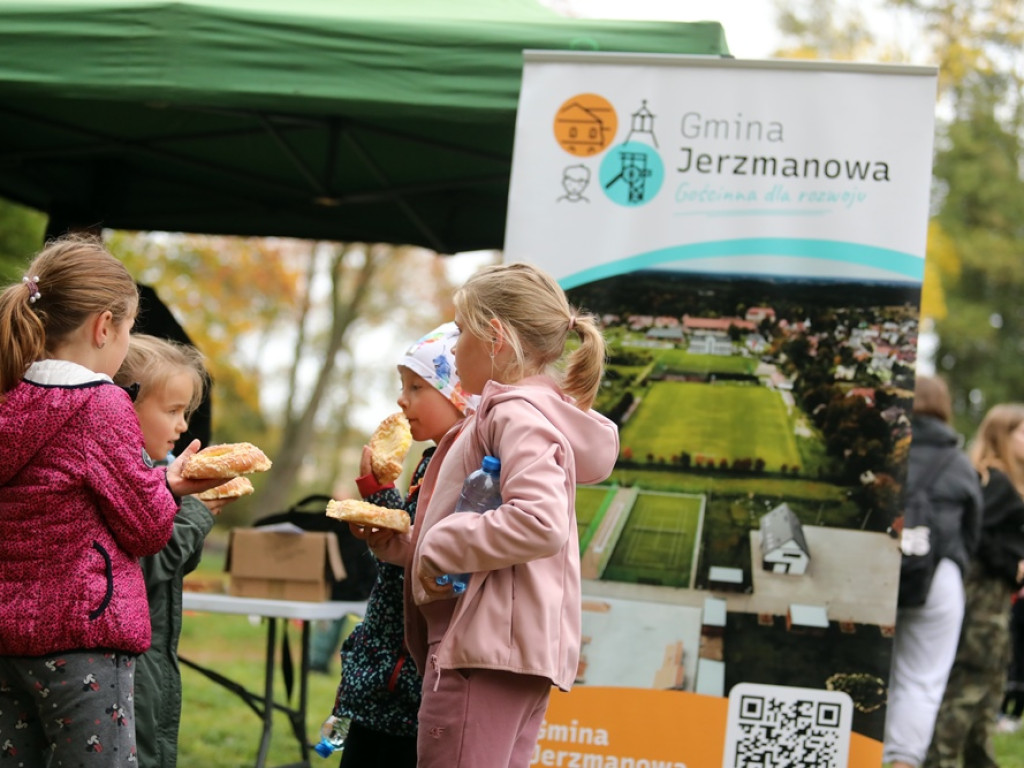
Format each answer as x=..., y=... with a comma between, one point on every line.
x=822, y=29
x=369, y=286
x=277, y=320
x=982, y=210
x=974, y=272
x=230, y=295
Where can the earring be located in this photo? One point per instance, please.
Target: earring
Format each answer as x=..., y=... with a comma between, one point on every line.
x=101, y=345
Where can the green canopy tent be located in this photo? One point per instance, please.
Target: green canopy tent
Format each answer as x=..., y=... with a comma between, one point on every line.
x=375, y=121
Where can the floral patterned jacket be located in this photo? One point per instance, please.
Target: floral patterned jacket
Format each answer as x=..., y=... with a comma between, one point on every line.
x=380, y=686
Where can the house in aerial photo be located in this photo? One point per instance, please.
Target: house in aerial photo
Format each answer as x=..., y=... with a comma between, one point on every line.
x=783, y=546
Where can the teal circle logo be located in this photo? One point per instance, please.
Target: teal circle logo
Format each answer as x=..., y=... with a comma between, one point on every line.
x=631, y=173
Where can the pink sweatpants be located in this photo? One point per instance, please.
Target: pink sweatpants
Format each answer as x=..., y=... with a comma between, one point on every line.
x=480, y=718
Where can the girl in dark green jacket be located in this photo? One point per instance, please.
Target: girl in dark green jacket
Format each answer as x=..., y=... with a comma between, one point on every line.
x=171, y=379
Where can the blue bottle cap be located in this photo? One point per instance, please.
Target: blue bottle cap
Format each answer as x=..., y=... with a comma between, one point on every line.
x=490, y=464
x=323, y=749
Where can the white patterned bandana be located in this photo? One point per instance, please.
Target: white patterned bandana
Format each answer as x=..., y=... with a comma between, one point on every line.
x=431, y=357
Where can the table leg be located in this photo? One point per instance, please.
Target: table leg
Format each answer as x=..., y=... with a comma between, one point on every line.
x=297, y=715
x=268, y=694
x=304, y=690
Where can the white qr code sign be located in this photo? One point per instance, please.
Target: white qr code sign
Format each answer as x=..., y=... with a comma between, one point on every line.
x=775, y=726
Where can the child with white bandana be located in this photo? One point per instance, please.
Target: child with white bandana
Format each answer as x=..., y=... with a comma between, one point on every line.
x=380, y=685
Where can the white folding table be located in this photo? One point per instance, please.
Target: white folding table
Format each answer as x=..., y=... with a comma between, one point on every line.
x=265, y=704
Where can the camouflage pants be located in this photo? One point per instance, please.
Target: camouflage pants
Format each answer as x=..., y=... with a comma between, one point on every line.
x=974, y=692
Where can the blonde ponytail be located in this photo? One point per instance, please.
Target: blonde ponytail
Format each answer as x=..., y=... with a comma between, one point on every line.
x=22, y=336
x=535, y=319
x=585, y=364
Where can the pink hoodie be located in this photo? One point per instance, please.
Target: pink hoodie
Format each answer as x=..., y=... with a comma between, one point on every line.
x=521, y=610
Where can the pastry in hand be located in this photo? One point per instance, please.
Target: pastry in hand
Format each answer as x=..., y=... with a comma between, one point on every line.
x=389, y=444
x=225, y=461
x=364, y=513
x=234, y=488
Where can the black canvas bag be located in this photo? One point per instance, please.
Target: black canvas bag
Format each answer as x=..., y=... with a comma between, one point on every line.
x=919, y=539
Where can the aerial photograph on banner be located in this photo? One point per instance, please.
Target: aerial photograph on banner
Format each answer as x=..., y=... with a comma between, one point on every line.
x=764, y=428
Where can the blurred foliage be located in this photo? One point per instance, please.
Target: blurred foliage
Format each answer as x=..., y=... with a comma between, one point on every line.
x=980, y=351
x=974, y=271
x=22, y=231
x=224, y=291
x=979, y=198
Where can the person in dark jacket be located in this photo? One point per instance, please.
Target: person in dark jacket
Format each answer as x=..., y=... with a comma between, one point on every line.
x=171, y=379
x=974, y=692
x=926, y=637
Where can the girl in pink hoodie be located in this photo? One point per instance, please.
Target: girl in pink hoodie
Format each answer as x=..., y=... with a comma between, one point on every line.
x=490, y=656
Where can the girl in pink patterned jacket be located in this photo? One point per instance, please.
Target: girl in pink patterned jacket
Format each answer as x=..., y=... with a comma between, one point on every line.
x=490, y=657
x=78, y=506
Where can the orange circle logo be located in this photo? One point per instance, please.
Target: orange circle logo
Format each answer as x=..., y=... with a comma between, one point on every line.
x=585, y=125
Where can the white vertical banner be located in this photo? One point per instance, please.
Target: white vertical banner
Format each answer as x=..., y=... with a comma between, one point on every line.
x=751, y=235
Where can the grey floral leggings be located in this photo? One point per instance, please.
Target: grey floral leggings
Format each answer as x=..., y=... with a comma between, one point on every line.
x=68, y=710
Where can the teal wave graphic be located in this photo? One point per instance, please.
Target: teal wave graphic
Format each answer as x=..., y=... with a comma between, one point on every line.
x=899, y=263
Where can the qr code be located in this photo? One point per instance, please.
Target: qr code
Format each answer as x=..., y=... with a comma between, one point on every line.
x=774, y=726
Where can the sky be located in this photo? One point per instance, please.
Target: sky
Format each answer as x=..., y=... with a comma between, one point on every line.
x=749, y=24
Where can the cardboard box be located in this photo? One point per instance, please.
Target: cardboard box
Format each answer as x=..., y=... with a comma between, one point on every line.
x=283, y=564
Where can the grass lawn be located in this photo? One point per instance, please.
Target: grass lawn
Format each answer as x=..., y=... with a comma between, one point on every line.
x=657, y=544
x=1010, y=749
x=723, y=482
x=589, y=500
x=681, y=361
x=722, y=421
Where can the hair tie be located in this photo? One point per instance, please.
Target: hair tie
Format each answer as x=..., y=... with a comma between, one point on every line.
x=572, y=322
x=33, y=288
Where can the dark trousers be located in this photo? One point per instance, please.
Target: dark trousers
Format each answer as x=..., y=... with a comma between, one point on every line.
x=1013, y=701
x=367, y=748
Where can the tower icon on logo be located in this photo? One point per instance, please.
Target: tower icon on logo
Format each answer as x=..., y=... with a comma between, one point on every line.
x=642, y=122
x=633, y=173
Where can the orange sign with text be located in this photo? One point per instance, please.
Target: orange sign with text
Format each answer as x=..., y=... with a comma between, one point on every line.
x=642, y=728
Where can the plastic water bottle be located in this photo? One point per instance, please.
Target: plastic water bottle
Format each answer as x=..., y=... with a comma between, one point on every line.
x=481, y=491
x=333, y=733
